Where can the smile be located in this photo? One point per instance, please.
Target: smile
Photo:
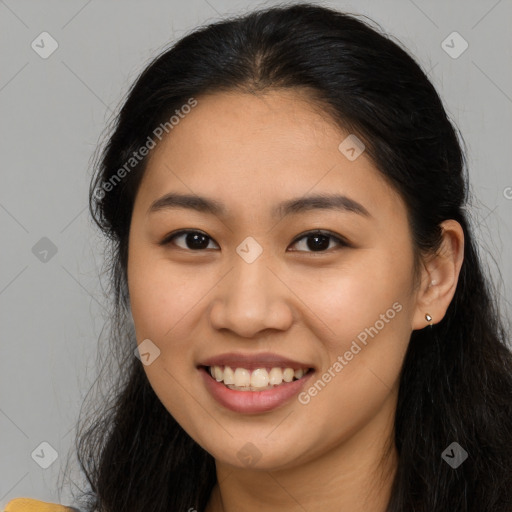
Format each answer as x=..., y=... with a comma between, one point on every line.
x=259, y=379
x=247, y=398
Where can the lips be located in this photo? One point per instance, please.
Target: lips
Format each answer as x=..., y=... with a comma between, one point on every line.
x=253, y=361
x=251, y=400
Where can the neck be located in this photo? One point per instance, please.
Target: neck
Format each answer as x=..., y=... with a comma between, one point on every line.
x=356, y=475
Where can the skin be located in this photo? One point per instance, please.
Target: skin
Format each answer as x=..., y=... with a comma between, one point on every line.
x=251, y=152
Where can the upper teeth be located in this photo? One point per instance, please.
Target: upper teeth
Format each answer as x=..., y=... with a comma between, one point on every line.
x=258, y=378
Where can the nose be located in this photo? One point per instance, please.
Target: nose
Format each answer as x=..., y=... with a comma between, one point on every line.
x=251, y=298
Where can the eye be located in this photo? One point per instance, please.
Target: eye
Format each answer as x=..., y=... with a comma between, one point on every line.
x=196, y=240
x=319, y=240
x=193, y=240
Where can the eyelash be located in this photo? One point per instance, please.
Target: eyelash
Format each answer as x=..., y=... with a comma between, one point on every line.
x=341, y=242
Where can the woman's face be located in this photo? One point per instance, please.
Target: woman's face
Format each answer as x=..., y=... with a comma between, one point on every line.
x=252, y=288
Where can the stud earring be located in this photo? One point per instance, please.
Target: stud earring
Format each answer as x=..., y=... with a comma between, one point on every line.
x=428, y=318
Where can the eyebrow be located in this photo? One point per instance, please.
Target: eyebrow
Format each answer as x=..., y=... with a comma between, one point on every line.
x=335, y=202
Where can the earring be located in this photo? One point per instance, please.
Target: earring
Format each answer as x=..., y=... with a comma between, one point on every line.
x=428, y=318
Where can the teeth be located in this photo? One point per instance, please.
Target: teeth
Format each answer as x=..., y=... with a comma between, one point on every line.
x=288, y=374
x=218, y=373
x=275, y=376
x=242, y=377
x=258, y=379
x=229, y=375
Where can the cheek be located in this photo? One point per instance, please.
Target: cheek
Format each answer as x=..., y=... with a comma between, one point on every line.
x=363, y=320
x=160, y=296
x=349, y=298
x=365, y=341
x=163, y=303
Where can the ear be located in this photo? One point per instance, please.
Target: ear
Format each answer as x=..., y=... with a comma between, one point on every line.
x=439, y=276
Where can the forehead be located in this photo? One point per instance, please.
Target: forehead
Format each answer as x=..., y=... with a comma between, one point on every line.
x=280, y=125
x=258, y=150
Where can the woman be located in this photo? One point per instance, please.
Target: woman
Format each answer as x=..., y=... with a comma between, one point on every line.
x=286, y=202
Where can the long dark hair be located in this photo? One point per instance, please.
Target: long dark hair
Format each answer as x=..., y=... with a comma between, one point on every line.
x=456, y=382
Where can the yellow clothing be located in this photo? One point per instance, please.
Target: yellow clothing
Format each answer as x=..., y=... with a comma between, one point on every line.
x=31, y=505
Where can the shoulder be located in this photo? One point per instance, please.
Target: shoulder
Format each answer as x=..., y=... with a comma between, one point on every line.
x=32, y=505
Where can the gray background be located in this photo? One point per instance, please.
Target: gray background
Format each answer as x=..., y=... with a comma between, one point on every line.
x=53, y=112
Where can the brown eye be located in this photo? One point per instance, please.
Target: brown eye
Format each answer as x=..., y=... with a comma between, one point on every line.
x=191, y=240
x=319, y=241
